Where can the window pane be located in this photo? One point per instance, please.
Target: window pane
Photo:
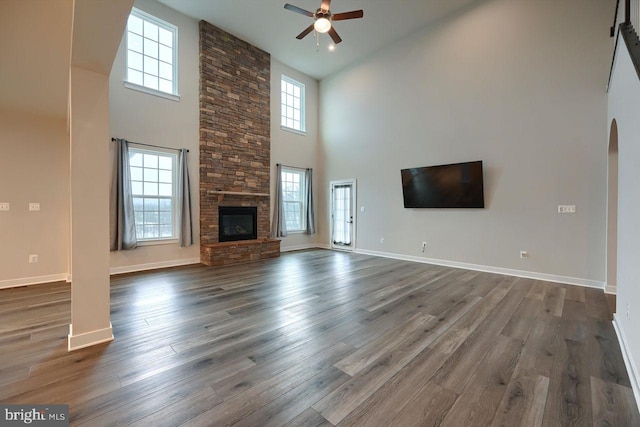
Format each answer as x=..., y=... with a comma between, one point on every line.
x=151, y=231
x=166, y=205
x=140, y=231
x=150, y=161
x=165, y=162
x=150, y=81
x=166, y=189
x=166, y=218
x=134, y=60
x=150, y=204
x=165, y=176
x=166, y=37
x=139, y=216
x=151, y=48
x=150, y=189
x=166, y=231
x=135, y=159
x=150, y=66
x=165, y=86
x=134, y=76
x=150, y=217
x=166, y=71
x=165, y=54
x=150, y=174
x=134, y=42
x=136, y=187
x=150, y=31
x=296, y=91
x=135, y=24
x=136, y=173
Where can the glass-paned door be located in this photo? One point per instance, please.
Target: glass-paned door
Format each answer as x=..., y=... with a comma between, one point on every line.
x=343, y=215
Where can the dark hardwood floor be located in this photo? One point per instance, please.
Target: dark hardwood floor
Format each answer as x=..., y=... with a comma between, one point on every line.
x=321, y=338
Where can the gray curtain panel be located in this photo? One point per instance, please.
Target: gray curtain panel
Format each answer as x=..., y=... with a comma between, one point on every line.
x=311, y=222
x=123, y=225
x=278, y=225
x=184, y=201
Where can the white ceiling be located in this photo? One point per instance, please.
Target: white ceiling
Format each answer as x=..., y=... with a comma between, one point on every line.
x=267, y=25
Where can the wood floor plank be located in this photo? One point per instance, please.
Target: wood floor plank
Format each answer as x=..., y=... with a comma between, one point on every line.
x=523, y=402
x=613, y=404
x=479, y=400
x=318, y=337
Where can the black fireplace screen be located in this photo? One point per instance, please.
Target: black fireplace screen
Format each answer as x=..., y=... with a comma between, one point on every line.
x=237, y=223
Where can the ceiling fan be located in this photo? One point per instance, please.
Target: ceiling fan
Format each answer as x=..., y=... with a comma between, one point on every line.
x=323, y=18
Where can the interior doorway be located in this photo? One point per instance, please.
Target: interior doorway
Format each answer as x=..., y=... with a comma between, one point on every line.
x=343, y=215
x=612, y=210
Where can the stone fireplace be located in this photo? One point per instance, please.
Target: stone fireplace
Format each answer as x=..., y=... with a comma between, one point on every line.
x=235, y=149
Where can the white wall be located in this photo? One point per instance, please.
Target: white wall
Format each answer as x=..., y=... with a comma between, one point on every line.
x=34, y=167
x=293, y=149
x=149, y=119
x=517, y=84
x=624, y=107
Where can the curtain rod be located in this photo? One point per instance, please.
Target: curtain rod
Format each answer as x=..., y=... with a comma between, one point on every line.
x=291, y=167
x=150, y=145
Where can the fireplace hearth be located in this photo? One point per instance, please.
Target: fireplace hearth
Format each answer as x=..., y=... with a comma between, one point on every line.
x=237, y=223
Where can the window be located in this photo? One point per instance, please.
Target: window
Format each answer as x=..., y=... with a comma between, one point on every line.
x=293, y=197
x=151, y=54
x=292, y=104
x=153, y=185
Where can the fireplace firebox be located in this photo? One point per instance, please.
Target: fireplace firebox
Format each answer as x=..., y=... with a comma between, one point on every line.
x=237, y=223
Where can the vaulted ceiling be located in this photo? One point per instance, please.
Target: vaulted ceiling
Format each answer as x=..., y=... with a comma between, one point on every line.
x=267, y=25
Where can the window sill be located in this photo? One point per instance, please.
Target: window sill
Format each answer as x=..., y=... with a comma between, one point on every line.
x=299, y=132
x=157, y=242
x=150, y=91
x=296, y=231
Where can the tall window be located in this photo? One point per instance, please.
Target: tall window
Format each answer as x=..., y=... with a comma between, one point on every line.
x=293, y=196
x=292, y=104
x=152, y=53
x=153, y=184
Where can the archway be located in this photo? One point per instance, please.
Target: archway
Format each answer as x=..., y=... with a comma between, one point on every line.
x=612, y=210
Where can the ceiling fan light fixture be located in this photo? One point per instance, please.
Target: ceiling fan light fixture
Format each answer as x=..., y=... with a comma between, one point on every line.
x=322, y=25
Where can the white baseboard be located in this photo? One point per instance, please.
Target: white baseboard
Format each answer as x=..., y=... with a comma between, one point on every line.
x=634, y=378
x=610, y=289
x=297, y=248
x=25, y=281
x=153, y=266
x=488, y=269
x=88, y=339
x=323, y=246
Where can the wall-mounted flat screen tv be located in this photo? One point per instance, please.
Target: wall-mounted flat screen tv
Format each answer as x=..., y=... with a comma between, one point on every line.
x=458, y=185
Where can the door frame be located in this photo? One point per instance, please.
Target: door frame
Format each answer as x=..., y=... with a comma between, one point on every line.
x=354, y=199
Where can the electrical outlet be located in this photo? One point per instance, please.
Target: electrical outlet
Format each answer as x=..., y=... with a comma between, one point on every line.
x=34, y=206
x=4, y=206
x=628, y=311
x=524, y=254
x=361, y=208
x=382, y=240
x=424, y=246
x=33, y=259
x=566, y=208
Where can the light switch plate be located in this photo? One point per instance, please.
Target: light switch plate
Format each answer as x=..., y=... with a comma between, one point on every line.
x=34, y=206
x=4, y=206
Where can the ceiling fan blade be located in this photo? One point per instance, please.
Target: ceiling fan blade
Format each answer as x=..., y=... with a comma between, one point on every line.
x=305, y=32
x=325, y=5
x=347, y=15
x=336, y=38
x=296, y=9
